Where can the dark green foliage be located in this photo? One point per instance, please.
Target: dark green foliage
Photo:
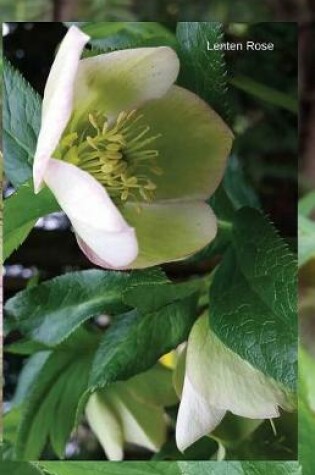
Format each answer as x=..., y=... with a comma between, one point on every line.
x=253, y=299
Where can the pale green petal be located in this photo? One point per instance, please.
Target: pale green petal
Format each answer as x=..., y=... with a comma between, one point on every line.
x=194, y=145
x=169, y=231
x=307, y=370
x=132, y=411
x=218, y=380
x=154, y=387
x=105, y=425
x=196, y=417
x=142, y=424
x=179, y=371
x=123, y=80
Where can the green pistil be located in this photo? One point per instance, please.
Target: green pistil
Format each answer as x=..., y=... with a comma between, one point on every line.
x=119, y=156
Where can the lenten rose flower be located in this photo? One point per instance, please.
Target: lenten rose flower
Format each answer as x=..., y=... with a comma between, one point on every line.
x=130, y=157
x=217, y=380
x=132, y=412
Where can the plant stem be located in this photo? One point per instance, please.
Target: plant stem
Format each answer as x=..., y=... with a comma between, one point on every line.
x=226, y=226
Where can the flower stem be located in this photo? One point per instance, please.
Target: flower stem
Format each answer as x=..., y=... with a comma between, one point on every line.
x=225, y=226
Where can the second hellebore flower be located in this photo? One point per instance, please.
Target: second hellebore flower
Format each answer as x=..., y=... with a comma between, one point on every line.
x=132, y=412
x=130, y=157
x=217, y=380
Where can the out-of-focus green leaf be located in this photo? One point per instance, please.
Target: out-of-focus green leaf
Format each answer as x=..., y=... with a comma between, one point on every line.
x=109, y=36
x=19, y=468
x=239, y=468
x=172, y=468
x=112, y=468
x=233, y=193
x=234, y=430
x=28, y=376
x=307, y=204
x=49, y=406
x=11, y=421
x=237, y=187
x=25, y=10
x=307, y=372
x=266, y=93
x=204, y=449
x=306, y=240
x=306, y=411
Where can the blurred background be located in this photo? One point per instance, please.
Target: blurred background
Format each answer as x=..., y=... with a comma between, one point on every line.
x=157, y=10
x=307, y=248
x=263, y=166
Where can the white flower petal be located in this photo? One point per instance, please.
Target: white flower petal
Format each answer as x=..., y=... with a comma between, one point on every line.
x=105, y=425
x=222, y=380
x=122, y=80
x=196, y=417
x=102, y=231
x=58, y=100
x=143, y=424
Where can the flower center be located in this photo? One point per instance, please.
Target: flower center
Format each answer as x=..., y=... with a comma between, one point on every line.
x=120, y=156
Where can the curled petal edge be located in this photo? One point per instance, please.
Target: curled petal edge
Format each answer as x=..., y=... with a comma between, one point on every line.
x=102, y=232
x=58, y=101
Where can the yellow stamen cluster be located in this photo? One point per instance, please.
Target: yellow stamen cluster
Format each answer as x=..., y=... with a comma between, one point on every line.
x=119, y=156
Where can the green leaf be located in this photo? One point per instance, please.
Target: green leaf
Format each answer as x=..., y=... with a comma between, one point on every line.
x=266, y=93
x=234, y=430
x=307, y=371
x=19, y=468
x=202, y=71
x=50, y=312
x=239, y=468
x=204, y=449
x=21, y=124
x=164, y=322
x=25, y=347
x=164, y=319
x=109, y=36
x=172, y=468
x=50, y=407
x=306, y=436
x=21, y=211
x=28, y=376
x=306, y=240
x=307, y=204
x=253, y=298
x=306, y=411
x=112, y=468
x=148, y=298
x=237, y=188
x=10, y=421
x=233, y=193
